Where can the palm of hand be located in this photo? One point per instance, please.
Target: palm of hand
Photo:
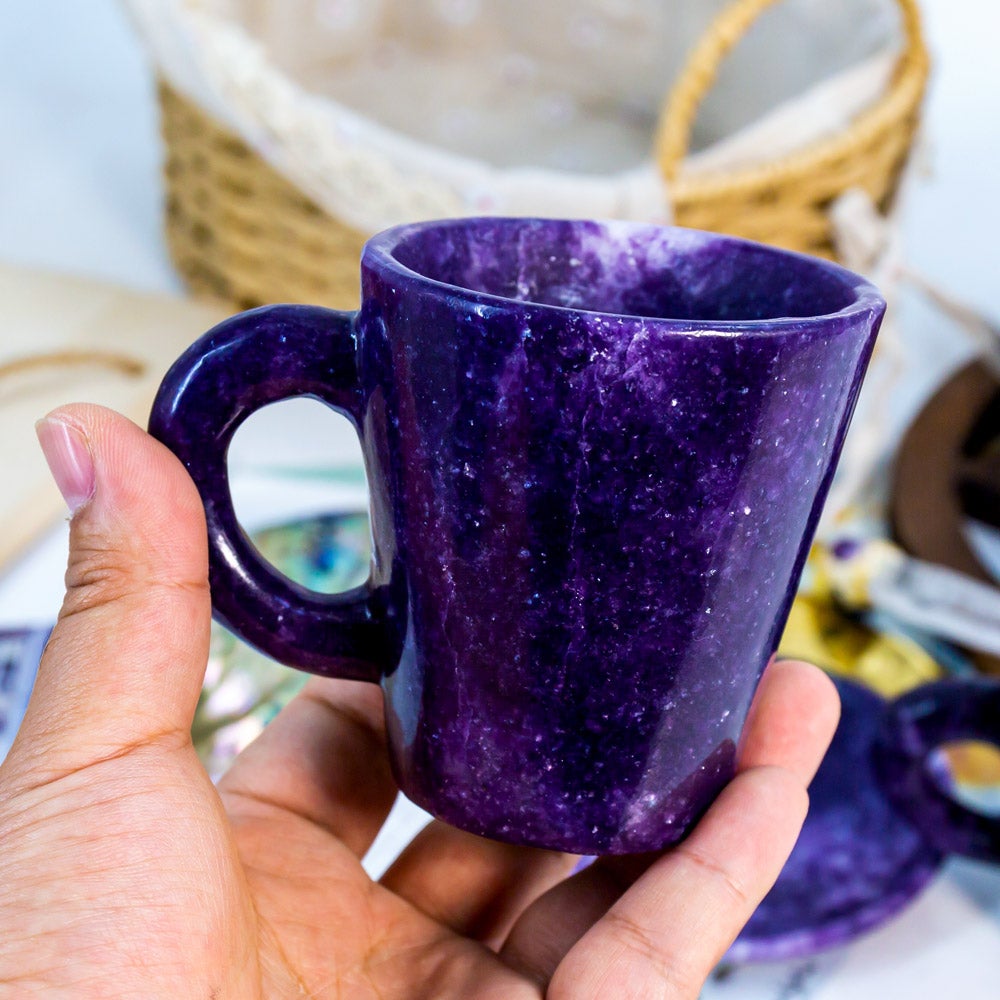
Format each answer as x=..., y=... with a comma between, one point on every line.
x=124, y=872
x=220, y=894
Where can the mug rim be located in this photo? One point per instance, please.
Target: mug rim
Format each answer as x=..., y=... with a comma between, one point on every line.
x=865, y=298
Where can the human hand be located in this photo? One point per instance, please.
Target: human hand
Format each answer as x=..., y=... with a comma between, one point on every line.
x=125, y=873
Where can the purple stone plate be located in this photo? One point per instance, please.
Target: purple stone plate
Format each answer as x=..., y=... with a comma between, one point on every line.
x=879, y=825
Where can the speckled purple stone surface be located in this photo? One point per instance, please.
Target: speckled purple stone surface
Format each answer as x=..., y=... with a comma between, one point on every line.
x=597, y=454
x=858, y=860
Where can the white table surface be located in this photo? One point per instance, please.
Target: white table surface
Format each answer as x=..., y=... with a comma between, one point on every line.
x=80, y=192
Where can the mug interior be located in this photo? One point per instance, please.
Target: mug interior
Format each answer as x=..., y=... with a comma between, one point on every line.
x=625, y=269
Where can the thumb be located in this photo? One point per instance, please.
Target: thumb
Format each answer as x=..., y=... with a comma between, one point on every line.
x=124, y=665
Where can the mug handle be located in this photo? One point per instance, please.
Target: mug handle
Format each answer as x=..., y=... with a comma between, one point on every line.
x=914, y=726
x=246, y=362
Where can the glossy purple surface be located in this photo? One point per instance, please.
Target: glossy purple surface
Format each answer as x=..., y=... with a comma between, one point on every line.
x=919, y=722
x=596, y=455
x=858, y=861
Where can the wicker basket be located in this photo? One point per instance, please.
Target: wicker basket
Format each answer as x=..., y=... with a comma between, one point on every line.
x=786, y=201
x=238, y=230
x=241, y=230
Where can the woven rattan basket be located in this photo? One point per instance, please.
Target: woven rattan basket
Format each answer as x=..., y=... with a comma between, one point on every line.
x=240, y=229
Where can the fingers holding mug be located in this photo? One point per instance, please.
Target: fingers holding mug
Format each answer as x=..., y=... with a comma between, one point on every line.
x=322, y=761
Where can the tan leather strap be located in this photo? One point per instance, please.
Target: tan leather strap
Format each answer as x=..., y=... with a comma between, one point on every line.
x=122, y=363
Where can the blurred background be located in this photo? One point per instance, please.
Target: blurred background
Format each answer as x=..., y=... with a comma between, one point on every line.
x=80, y=185
x=82, y=237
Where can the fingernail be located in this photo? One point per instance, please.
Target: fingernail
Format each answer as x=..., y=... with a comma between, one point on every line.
x=70, y=462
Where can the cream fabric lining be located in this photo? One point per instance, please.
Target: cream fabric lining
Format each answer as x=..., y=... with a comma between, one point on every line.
x=390, y=110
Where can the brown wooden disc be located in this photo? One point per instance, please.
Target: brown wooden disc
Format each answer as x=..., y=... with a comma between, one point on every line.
x=948, y=469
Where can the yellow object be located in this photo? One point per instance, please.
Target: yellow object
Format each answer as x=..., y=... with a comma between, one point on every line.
x=974, y=764
x=849, y=579
x=889, y=664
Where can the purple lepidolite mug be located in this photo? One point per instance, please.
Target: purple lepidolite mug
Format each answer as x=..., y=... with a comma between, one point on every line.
x=596, y=455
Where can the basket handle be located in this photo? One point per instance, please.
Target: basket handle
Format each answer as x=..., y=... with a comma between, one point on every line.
x=673, y=134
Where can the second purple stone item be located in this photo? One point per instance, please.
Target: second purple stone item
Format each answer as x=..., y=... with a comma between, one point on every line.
x=882, y=819
x=596, y=453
